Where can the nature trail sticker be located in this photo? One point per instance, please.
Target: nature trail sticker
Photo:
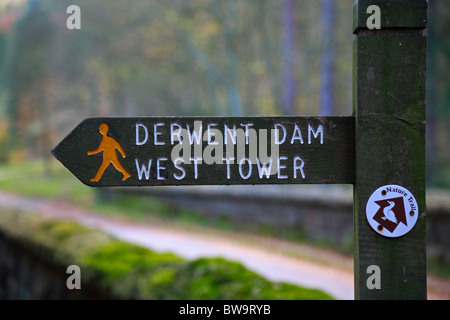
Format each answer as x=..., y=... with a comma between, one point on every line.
x=392, y=211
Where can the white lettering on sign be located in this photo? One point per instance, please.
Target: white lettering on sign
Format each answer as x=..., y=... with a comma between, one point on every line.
x=157, y=133
x=142, y=169
x=241, y=170
x=297, y=135
x=183, y=172
x=196, y=133
x=315, y=134
x=228, y=162
x=298, y=166
x=175, y=133
x=264, y=168
x=246, y=126
x=160, y=168
x=245, y=152
x=230, y=133
x=278, y=139
x=139, y=128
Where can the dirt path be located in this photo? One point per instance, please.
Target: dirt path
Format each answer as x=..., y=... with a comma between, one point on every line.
x=273, y=259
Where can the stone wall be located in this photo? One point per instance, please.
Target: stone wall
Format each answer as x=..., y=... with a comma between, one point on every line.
x=36, y=252
x=25, y=274
x=315, y=213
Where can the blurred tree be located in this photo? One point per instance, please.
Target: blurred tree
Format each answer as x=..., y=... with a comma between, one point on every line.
x=287, y=47
x=197, y=57
x=438, y=94
x=227, y=15
x=327, y=60
x=26, y=74
x=6, y=20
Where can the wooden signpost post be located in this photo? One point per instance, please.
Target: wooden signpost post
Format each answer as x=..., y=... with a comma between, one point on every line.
x=389, y=104
x=380, y=150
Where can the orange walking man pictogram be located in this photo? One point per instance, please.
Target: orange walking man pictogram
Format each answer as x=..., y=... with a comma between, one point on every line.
x=109, y=145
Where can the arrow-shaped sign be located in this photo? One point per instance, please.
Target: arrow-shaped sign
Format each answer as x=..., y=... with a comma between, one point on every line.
x=150, y=151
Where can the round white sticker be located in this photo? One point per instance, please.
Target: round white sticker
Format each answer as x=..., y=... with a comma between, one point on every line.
x=392, y=211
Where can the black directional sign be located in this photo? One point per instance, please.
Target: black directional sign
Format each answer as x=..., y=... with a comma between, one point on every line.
x=210, y=151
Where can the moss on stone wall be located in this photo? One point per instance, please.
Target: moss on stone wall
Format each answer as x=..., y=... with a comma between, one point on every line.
x=119, y=270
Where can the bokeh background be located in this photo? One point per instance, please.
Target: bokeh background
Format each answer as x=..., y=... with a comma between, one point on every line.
x=184, y=58
x=200, y=57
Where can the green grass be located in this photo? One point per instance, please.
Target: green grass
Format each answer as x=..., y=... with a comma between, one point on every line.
x=30, y=179
x=47, y=180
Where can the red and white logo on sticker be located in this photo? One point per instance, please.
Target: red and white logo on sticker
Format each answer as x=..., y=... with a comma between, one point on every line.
x=392, y=211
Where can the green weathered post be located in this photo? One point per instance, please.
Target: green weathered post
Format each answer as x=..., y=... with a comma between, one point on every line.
x=389, y=105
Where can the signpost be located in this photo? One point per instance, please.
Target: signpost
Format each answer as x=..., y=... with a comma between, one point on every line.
x=210, y=151
x=389, y=104
x=380, y=150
